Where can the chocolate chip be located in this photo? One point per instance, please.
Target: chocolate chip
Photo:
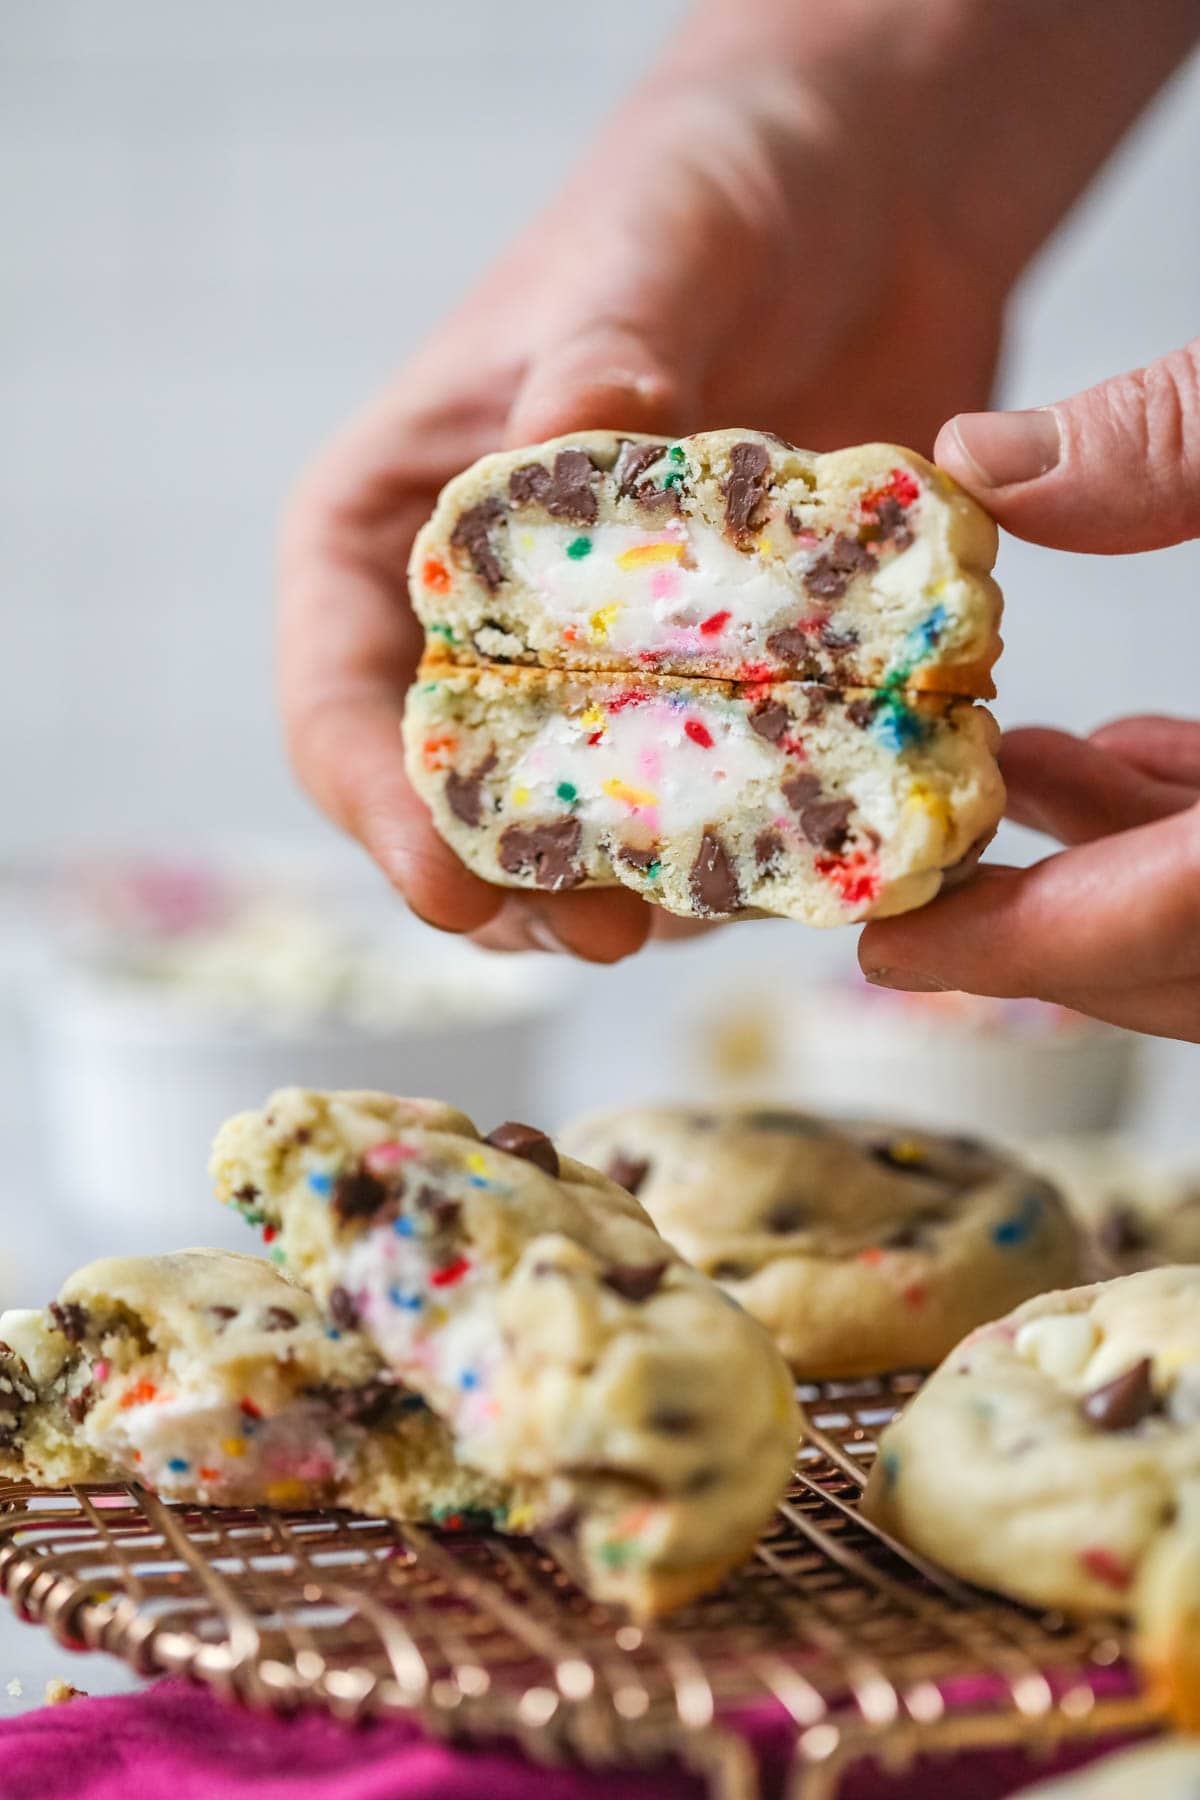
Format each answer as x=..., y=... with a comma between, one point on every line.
x=627, y=1171
x=785, y=1216
x=731, y=1271
x=768, y=851
x=633, y=1282
x=672, y=1421
x=800, y=791
x=791, y=646
x=527, y=1142
x=838, y=640
x=278, y=1318
x=890, y=524
x=785, y=1119
x=914, y=1234
x=745, y=489
x=818, y=705
x=374, y=1403
x=361, y=1195
x=70, y=1319
x=861, y=712
x=80, y=1405
x=633, y=460
x=566, y=494
x=825, y=824
x=637, y=859
x=713, y=880
x=247, y=1194
x=472, y=533
x=1124, y=1402
x=770, y=722
x=550, y=851
x=1122, y=1232
x=464, y=793
x=440, y=1208
x=221, y=1316
x=831, y=574
x=342, y=1309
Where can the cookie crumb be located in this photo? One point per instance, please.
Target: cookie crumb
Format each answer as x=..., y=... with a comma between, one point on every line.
x=60, y=1693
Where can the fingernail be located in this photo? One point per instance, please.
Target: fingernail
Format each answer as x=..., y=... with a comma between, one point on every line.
x=1004, y=448
x=542, y=936
x=905, y=981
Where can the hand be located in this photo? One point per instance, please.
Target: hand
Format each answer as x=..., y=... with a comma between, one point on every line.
x=1111, y=926
x=764, y=235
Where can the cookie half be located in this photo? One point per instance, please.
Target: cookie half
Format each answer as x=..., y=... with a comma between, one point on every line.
x=533, y=1305
x=206, y=1376
x=708, y=799
x=861, y=1246
x=730, y=554
x=1053, y=1453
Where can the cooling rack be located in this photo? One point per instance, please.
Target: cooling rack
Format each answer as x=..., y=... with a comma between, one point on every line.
x=832, y=1639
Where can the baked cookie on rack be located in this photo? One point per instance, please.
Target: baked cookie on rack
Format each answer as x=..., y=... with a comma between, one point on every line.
x=1055, y=1454
x=1167, y=1769
x=531, y=1302
x=861, y=1246
x=206, y=1376
x=1139, y=1208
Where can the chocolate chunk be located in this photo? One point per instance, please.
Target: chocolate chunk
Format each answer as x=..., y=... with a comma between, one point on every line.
x=247, y=1194
x=221, y=1316
x=768, y=851
x=637, y=859
x=784, y=1119
x=826, y=823
x=464, y=793
x=342, y=1309
x=279, y=1318
x=791, y=646
x=838, y=640
x=80, y=1405
x=361, y=1195
x=440, y=1208
x=800, y=791
x=70, y=1319
x=633, y=460
x=566, y=494
x=472, y=533
x=374, y=1403
x=633, y=1282
x=527, y=1142
x=627, y=1171
x=713, y=880
x=551, y=851
x=793, y=521
x=861, y=712
x=818, y=705
x=1123, y=1402
x=785, y=1216
x=730, y=1271
x=831, y=574
x=890, y=524
x=745, y=489
x=770, y=722
x=1122, y=1232
x=672, y=1421
x=914, y=1234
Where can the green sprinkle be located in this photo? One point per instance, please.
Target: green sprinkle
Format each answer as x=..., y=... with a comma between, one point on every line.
x=277, y=1255
x=443, y=631
x=566, y=790
x=578, y=548
x=652, y=871
x=676, y=453
x=674, y=479
x=615, y=1555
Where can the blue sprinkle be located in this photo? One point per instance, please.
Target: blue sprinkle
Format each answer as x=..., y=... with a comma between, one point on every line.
x=320, y=1184
x=403, y=1227
x=406, y=1302
x=889, y=1462
x=178, y=1465
x=896, y=725
x=479, y=1181
x=1021, y=1225
x=468, y=1379
x=331, y=1331
x=922, y=638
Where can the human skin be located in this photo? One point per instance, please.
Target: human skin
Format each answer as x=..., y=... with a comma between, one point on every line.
x=764, y=234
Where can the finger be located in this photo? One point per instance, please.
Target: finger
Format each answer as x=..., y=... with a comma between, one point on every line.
x=1169, y=1010
x=599, y=925
x=1115, y=468
x=1076, y=791
x=1120, y=913
x=1166, y=749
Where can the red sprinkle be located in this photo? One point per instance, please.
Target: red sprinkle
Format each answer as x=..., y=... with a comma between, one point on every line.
x=916, y=1293
x=856, y=877
x=595, y=736
x=715, y=623
x=871, y=1256
x=899, y=485
x=270, y=1233
x=1105, y=1566
x=249, y=1409
x=435, y=575
x=630, y=697
x=208, y=1474
x=699, y=734
x=450, y=1274
x=757, y=671
x=137, y=1395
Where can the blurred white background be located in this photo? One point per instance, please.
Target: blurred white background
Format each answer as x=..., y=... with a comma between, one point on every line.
x=224, y=226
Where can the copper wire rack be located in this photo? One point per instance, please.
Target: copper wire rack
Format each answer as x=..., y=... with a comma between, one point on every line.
x=831, y=1633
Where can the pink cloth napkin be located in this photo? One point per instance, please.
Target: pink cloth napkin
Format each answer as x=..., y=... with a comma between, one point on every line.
x=180, y=1741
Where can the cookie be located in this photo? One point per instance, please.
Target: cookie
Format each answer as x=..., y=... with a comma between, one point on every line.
x=708, y=799
x=532, y=1304
x=730, y=555
x=206, y=1376
x=1167, y=1769
x=861, y=1247
x=1049, y=1454
x=1139, y=1210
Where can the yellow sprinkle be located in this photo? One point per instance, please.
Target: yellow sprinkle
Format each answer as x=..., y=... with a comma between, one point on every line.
x=234, y=1446
x=477, y=1163
x=602, y=618
x=763, y=545
x=904, y=1150
x=521, y=1518
x=620, y=790
x=1175, y=1357
x=526, y=540
x=938, y=587
x=286, y=1493
x=644, y=556
x=520, y=796
x=923, y=799
x=592, y=716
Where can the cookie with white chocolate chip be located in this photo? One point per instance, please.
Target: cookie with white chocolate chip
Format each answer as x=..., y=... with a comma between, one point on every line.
x=530, y=1301
x=1052, y=1453
x=207, y=1376
x=706, y=798
x=861, y=1246
x=730, y=555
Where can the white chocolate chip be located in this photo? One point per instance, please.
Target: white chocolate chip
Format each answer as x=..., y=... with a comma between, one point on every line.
x=1059, y=1345
x=42, y=1351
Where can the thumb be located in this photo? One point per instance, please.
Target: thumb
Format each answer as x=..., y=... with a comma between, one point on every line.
x=1115, y=468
